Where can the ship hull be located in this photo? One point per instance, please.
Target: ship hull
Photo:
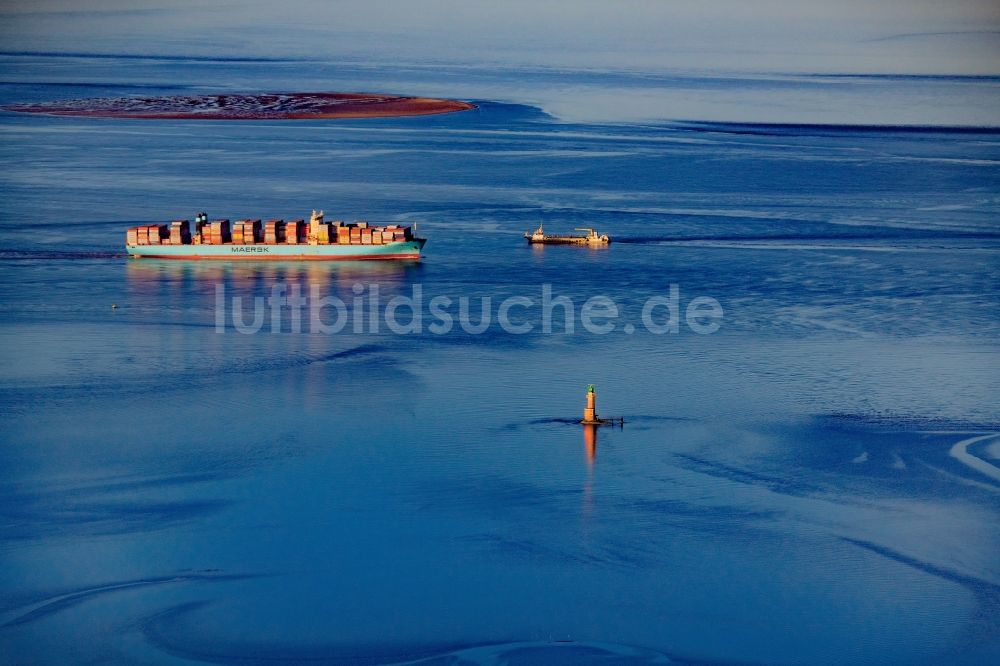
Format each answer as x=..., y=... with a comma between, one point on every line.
x=564, y=240
x=399, y=250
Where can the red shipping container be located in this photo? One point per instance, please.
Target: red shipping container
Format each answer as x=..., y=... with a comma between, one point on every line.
x=271, y=231
x=180, y=232
x=292, y=233
x=219, y=232
x=335, y=228
x=245, y=230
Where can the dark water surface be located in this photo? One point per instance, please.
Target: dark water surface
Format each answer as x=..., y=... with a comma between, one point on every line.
x=785, y=490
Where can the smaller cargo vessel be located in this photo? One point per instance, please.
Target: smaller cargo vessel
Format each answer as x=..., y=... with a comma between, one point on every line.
x=592, y=238
x=278, y=240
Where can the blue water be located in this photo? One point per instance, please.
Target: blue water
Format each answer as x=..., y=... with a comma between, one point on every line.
x=784, y=490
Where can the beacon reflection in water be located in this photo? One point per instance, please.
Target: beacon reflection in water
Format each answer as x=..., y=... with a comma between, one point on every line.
x=590, y=443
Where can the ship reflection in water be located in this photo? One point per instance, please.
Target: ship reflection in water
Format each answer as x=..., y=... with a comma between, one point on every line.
x=148, y=278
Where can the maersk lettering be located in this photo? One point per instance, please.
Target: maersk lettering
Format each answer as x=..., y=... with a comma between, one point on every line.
x=251, y=248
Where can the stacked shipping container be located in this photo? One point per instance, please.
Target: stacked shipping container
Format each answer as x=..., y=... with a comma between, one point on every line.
x=251, y=232
x=180, y=233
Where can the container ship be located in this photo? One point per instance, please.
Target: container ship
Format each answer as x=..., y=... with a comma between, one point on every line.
x=272, y=240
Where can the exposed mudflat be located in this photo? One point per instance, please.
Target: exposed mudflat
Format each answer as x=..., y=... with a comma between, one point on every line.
x=283, y=106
